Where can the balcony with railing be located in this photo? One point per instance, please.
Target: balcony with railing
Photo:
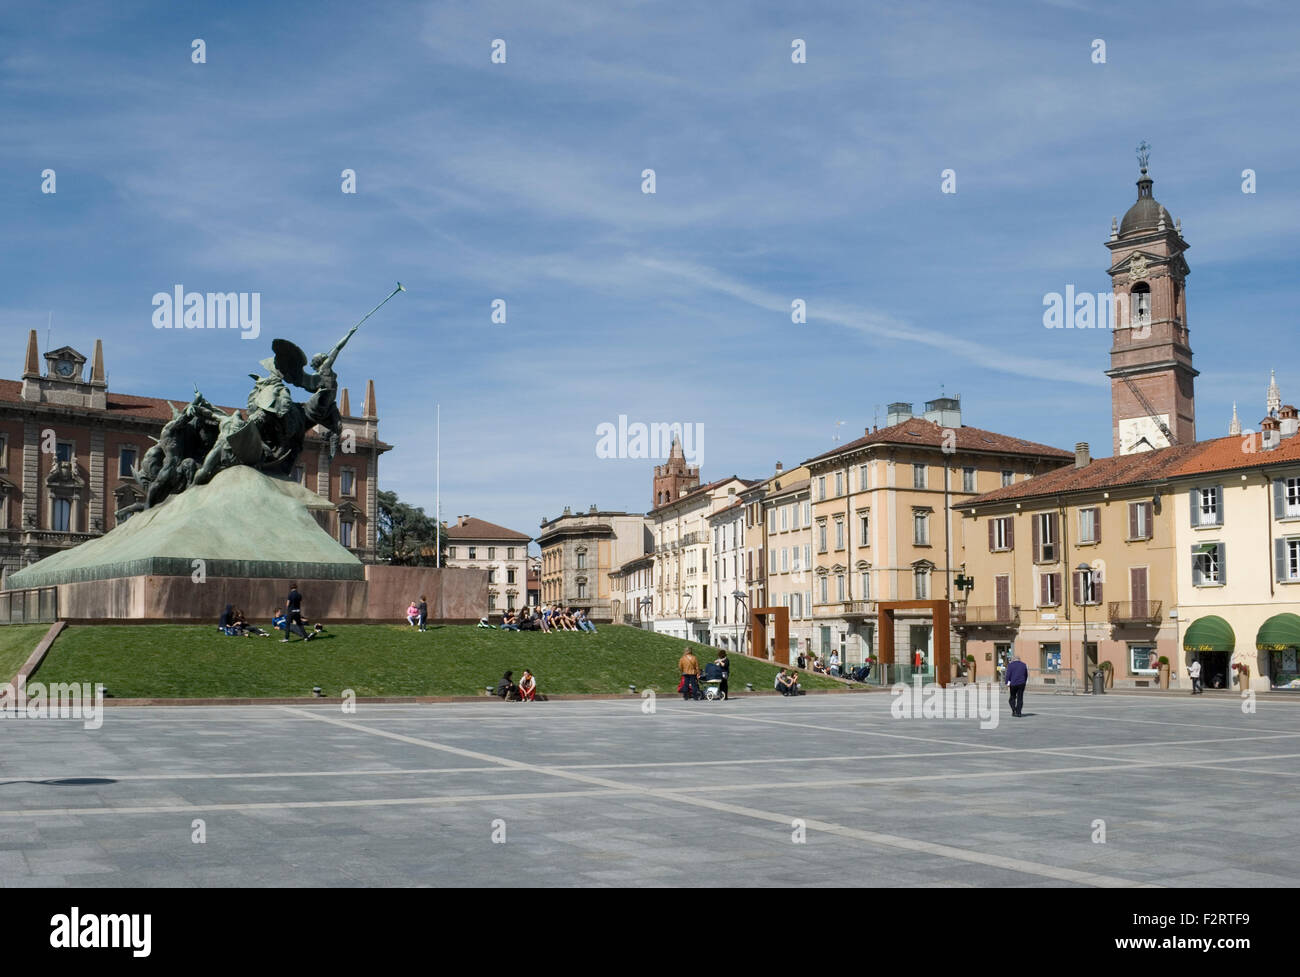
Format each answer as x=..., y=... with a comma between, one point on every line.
x=1147, y=612
x=845, y=608
x=985, y=615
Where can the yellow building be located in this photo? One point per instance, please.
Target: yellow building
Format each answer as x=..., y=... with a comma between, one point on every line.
x=885, y=520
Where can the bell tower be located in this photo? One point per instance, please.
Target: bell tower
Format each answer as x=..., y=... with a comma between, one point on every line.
x=675, y=478
x=1152, y=393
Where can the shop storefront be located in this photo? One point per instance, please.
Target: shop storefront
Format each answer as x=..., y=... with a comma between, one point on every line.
x=1278, y=643
x=1210, y=640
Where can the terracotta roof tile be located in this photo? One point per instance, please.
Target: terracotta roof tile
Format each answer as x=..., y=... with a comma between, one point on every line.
x=1202, y=457
x=917, y=430
x=1235, y=451
x=482, y=529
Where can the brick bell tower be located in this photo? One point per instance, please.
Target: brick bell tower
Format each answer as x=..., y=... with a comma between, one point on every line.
x=1152, y=395
x=674, y=478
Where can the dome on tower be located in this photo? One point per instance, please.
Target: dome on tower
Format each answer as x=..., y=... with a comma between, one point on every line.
x=1146, y=213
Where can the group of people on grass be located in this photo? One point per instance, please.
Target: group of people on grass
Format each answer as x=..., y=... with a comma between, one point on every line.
x=524, y=691
x=545, y=618
x=417, y=614
x=288, y=619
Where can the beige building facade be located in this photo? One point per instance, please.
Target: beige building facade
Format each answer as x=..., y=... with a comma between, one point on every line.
x=477, y=544
x=581, y=550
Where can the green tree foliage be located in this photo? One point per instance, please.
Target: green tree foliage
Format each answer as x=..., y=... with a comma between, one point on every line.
x=407, y=536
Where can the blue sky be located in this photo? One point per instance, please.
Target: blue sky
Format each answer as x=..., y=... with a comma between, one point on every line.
x=522, y=181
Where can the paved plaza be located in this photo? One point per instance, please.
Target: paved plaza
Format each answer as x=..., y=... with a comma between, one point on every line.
x=1192, y=792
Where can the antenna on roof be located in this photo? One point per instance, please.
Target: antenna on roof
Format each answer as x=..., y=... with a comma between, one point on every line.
x=49, y=329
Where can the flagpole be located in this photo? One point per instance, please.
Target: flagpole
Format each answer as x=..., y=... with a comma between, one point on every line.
x=437, y=487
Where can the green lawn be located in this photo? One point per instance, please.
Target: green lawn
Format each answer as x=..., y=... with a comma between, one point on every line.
x=17, y=642
x=174, y=661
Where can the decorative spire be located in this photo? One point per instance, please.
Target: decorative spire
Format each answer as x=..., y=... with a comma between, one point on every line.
x=368, y=408
x=345, y=408
x=1274, y=395
x=1144, y=157
x=97, y=365
x=32, y=368
x=1114, y=229
x=1235, y=426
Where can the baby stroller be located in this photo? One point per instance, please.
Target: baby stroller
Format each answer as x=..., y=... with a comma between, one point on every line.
x=711, y=684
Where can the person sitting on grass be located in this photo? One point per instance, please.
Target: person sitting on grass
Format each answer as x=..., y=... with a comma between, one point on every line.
x=584, y=622
x=786, y=683
x=413, y=614
x=226, y=624
x=483, y=623
x=509, y=622
x=506, y=688
x=527, y=687
x=246, y=629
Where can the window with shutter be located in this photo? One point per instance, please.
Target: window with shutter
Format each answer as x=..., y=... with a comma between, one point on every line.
x=1148, y=520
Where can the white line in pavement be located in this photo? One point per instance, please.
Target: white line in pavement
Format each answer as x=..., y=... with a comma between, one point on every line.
x=297, y=805
x=873, y=837
x=1092, y=754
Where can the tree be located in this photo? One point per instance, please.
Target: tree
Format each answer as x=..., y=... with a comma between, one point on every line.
x=407, y=536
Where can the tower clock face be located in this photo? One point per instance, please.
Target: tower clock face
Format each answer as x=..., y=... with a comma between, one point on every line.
x=64, y=368
x=1141, y=434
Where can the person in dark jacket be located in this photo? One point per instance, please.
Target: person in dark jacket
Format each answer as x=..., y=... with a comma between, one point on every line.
x=506, y=688
x=1017, y=676
x=424, y=612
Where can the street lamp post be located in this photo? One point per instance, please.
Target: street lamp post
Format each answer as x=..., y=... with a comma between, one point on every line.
x=742, y=622
x=1085, y=587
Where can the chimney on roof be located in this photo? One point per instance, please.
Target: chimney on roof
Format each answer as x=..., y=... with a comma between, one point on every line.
x=898, y=412
x=1270, y=433
x=779, y=468
x=461, y=520
x=592, y=510
x=1082, y=455
x=1290, y=418
x=568, y=511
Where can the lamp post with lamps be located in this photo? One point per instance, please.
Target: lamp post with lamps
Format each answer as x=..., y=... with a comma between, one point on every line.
x=742, y=622
x=1085, y=590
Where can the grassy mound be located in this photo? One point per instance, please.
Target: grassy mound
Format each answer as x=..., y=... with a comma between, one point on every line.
x=174, y=661
x=17, y=642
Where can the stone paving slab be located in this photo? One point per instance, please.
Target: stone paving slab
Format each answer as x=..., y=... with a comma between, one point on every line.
x=815, y=791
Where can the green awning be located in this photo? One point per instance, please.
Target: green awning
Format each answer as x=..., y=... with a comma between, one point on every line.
x=1209, y=634
x=1279, y=633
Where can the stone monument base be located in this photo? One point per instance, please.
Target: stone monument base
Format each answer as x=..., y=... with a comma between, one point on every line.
x=240, y=540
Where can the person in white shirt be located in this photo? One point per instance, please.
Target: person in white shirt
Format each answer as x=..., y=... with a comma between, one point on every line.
x=1195, y=672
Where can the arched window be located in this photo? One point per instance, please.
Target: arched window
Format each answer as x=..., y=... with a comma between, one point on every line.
x=1140, y=305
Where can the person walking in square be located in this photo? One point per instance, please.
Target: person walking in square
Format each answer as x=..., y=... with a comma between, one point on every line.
x=1194, y=670
x=1017, y=677
x=293, y=613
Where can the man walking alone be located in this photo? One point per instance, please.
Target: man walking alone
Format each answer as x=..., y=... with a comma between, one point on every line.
x=1017, y=676
x=1194, y=670
x=293, y=615
x=689, y=666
